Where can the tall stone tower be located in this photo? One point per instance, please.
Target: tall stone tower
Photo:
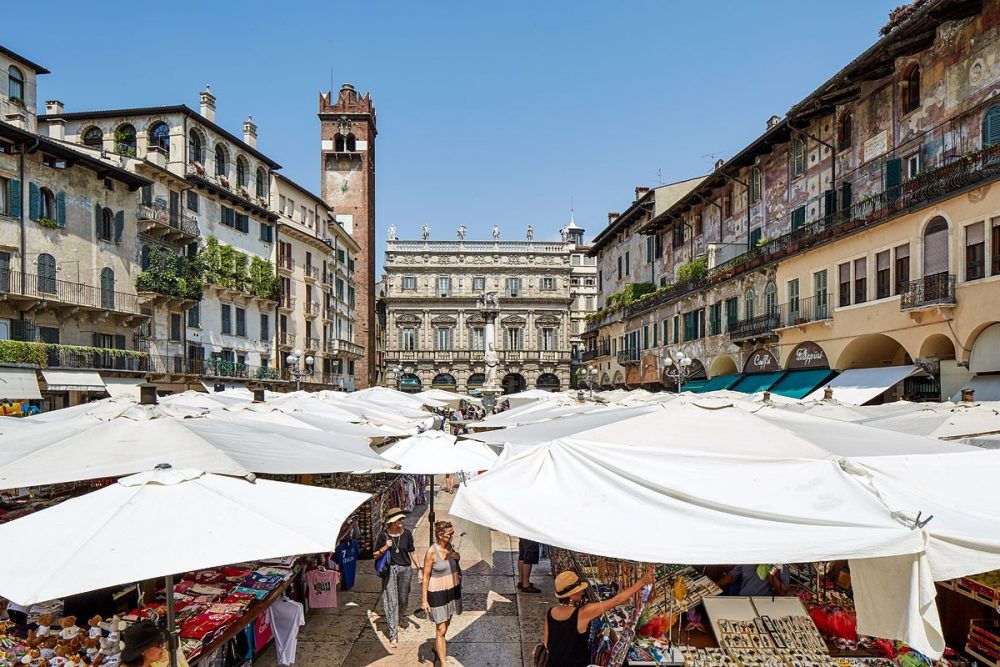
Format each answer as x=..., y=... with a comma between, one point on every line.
x=347, y=133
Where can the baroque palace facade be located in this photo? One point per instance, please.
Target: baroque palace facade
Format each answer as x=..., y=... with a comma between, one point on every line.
x=859, y=233
x=151, y=244
x=434, y=332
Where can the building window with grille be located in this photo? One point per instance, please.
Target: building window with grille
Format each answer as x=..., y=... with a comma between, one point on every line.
x=548, y=284
x=478, y=283
x=844, y=295
x=883, y=281
x=408, y=338
x=549, y=339
x=442, y=338
x=513, y=338
x=798, y=158
x=793, y=301
x=513, y=287
x=444, y=286
x=749, y=303
x=477, y=339
x=902, y=267
x=715, y=319
x=732, y=313
x=409, y=282
x=975, y=251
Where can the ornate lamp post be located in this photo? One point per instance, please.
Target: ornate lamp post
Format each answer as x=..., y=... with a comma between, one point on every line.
x=298, y=372
x=399, y=377
x=591, y=374
x=678, y=369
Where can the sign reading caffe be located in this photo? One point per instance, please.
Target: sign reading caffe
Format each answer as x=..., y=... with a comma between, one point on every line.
x=807, y=355
x=761, y=361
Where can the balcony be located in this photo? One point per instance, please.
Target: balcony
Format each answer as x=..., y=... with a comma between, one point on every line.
x=312, y=273
x=285, y=264
x=803, y=311
x=553, y=356
x=348, y=350
x=514, y=355
x=936, y=291
x=26, y=290
x=329, y=314
x=477, y=355
x=590, y=355
x=286, y=301
x=443, y=355
x=312, y=308
x=286, y=339
x=756, y=327
x=71, y=356
x=629, y=357
x=312, y=343
x=158, y=221
x=228, y=369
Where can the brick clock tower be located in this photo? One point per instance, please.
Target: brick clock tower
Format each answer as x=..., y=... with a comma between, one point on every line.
x=347, y=133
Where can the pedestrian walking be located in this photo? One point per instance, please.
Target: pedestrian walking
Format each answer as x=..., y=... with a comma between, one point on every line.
x=442, y=586
x=527, y=558
x=567, y=626
x=397, y=540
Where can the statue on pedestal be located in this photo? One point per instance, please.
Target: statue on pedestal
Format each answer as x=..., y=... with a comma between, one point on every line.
x=392, y=232
x=426, y=231
x=496, y=233
x=530, y=233
x=461, y=232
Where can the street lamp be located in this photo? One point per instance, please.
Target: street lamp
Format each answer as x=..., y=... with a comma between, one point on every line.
x=399, y=377
x=678, y=369
x=298, y=372
x=591, y=375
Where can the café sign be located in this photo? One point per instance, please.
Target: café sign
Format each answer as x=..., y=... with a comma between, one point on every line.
x=807, y=355
x=761, y=361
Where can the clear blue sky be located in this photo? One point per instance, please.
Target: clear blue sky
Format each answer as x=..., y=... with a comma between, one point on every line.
x=500, y=112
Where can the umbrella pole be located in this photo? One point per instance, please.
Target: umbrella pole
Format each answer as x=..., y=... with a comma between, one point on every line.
x=430, y=527
x=171, y=622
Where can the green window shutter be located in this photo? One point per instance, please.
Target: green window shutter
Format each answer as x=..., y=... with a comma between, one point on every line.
x=15, y=199
x=846, y=196
x=61, y=209
x=829, y=203
x=893, y=177
x=798, y=217
x=96, y=339
x=34, y=201
x=119, y=226
x=120, y=342
x=755, y=236
x=991, y=126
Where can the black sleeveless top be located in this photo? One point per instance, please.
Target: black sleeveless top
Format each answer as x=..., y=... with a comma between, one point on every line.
x=567, y=647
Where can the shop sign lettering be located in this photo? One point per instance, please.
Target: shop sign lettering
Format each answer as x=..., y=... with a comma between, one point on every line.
x=807, y=355
x=760, y=361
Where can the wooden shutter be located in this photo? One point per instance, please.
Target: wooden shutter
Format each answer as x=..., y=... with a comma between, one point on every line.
x=15, y=198
x=893, y=177
x=34, y=200
x=846, y=196
x=798, y=217
x=829, y=203
x=98, y=218
x=935, y=249
x=119, y=226
x=61, y=209
x=120, y=342
x=991, y=126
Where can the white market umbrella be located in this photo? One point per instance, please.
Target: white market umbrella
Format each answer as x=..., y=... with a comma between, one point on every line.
x=529, y=395
x=391, y=397
x=943, y=420
x=449, y=398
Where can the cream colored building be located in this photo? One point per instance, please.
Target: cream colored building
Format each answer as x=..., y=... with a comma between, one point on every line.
x=435, y=333
x=313, y=256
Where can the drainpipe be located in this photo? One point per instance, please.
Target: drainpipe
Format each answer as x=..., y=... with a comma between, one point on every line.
x=24, y=209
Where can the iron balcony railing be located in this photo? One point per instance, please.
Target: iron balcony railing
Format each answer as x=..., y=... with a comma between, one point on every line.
x=161, y=215
x=935, y=290
x=758, y=326
x=286, y=301
x=159, y=364
x=629, y=357
x=311, y=272
x=802, y=311
x=286, y=263
x=590, y=355
x=58, y=356
x=344, y=347
x=670, y=294
x=286, y=339
x=49, y=288
x=312, y=343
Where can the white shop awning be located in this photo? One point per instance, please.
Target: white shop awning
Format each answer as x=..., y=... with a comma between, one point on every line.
x=74, y=381
x=987, y=388
x=857, y=386
x=19, y=383
x=128, y=387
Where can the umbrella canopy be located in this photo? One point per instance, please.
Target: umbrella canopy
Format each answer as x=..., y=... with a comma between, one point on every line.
x=391, y=397
x=437, y=453
x=527, y=396
x=449, y=398
x=943, y=420
x=74, y=450
x=63, y=550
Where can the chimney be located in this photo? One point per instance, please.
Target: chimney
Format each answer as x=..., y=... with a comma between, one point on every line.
x=968, y=395
x=57, y=128
x=250, y=132
x=207, y=104
x=767, y=397
x=640, y=190
x=147, y=394
x=612, y=216
x=719, y=163
x=54, y=108
x=772, y=121
x=258, y=395
x=827, y=393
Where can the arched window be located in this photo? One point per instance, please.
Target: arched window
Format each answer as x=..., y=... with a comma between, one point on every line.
x=749, y=298
x=125, y=140
x=93, y=137
x=754, y=185
x=220, y=160
x=339, y=143
x=107, y=228
x=159, y=137
x=771, y=299
x=352, y=143
x=991, y=126
x=548, y=382
x=46, y=273
x=196, y=152
x=444, y=381
x=107, y=288
x=15, y=83
x=47, y=204
x=911, y=90
x=798, y=158
x=845, y=131
x=936, y=247
x=242, y=172
x=261, y=190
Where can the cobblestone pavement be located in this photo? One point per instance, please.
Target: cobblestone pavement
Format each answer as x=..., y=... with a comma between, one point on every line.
x=499, y=626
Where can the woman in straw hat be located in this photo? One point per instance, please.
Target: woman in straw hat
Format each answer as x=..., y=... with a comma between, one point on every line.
x=397, y=540
x=566, y=626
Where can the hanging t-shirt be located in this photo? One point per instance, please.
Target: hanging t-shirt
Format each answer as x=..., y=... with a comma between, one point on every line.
x=321, y=585
x=347, y=559
x=286, y=616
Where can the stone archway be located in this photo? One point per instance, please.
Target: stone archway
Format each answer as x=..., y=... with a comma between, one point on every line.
x=872, y=351
x=619, y=379
x=548, y=382
x=445, y=381
x=937, y=346
x=723, y=365
x=513, y=383
x=410, y=383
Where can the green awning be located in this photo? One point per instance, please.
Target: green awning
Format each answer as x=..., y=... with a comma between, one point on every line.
x=715, y=384
x=801, y=383
x=694, y=385
x=751, y=384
